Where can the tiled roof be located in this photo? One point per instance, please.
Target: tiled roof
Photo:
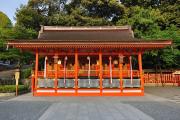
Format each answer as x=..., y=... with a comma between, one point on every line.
x=108, y=33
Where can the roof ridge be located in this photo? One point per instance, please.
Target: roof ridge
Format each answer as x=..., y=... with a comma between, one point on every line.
x=84, y=28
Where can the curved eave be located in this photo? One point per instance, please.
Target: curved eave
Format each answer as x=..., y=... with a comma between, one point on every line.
x=121, y=44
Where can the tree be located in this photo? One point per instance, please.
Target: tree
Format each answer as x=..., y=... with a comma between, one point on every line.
x=6, y=33
x=147, y=24
x=21, y=32
x=110, y=10
x=37, y=12
x=141, y=3
x=143, y=21
x=170, y=11
x=167, y=58
x=69, y=13
x=150, y=19
x=28, y=18
x=4, y=21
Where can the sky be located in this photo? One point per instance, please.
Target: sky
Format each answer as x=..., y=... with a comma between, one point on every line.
x=9, y=7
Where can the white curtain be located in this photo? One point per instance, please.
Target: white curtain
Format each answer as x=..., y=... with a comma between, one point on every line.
x=45, y=60
x=110, y=65
x=89, y=70
x=131, y=71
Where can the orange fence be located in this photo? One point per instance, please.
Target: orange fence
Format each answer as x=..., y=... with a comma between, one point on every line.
x=161, y=78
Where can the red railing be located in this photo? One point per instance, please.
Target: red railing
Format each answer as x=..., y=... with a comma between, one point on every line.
x=161, y=78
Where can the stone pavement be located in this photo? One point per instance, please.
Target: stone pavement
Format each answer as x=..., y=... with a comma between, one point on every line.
x=172, y=93
x=148, y=107
x=94, y=111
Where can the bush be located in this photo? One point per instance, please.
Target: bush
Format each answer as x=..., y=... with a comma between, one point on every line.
x=12, y=88
x=25, y=73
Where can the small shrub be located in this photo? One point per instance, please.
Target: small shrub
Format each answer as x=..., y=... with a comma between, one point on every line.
x=12, y=88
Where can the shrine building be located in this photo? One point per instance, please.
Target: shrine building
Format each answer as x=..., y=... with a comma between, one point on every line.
x=88, y=61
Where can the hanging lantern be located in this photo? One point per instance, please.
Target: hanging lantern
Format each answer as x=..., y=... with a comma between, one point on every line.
x=115, y=62
x=59, y=62
x=97, y=62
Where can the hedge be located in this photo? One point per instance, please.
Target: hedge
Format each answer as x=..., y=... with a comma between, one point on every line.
x=12, y=88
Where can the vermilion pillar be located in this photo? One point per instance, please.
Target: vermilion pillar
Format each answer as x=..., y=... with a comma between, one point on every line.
x=140, y=70
x=36, y=69
x=76, y=72
x=100, y=72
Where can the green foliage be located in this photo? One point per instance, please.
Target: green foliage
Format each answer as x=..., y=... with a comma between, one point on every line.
x=7, y=32
x=25, y=73
x=110, y=10
x=69, y=13
x=76, y=20
x=28, y=17
x=21, y=32
x=4, y=21
x=150, y=19
x=11, y=54
x=168, y=57
x=143, y=21
x=12, y=88
x=148, y=24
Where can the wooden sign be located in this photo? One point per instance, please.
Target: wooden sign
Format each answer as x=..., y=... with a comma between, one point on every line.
x=17, y=75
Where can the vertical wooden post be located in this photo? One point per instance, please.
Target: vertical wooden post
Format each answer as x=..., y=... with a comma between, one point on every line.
x=121, y=72
x=140, y=70
x=36, y=69
x=32, y=84
x=100, y=72
x=76, y=72
x=17, y=76
x=56, y=72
